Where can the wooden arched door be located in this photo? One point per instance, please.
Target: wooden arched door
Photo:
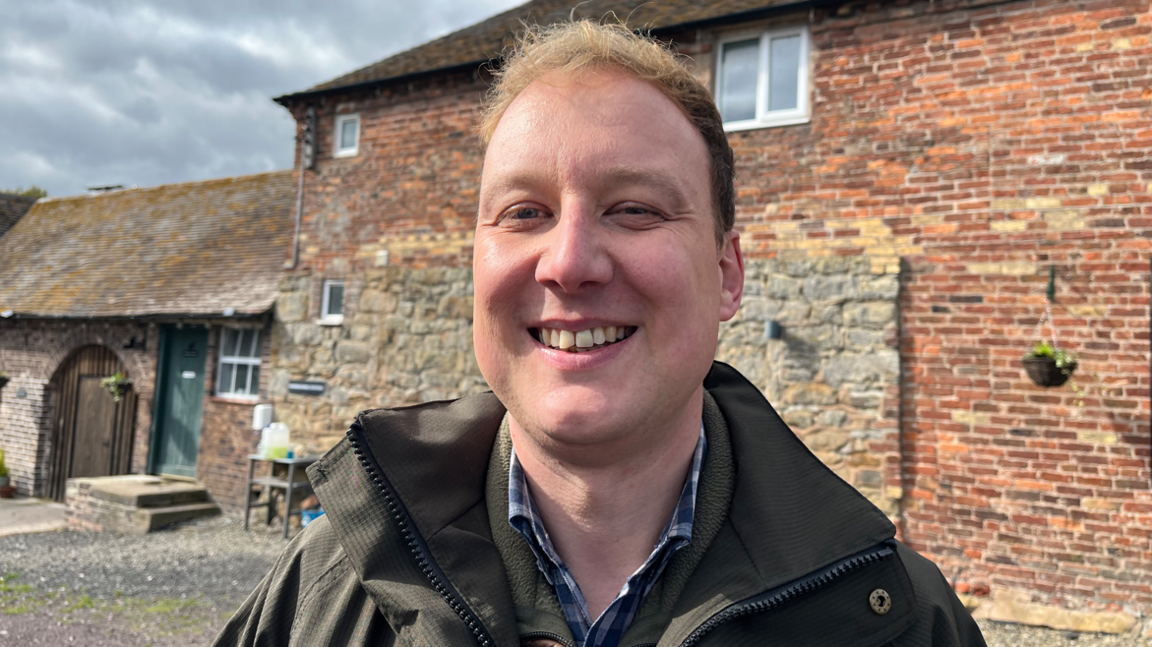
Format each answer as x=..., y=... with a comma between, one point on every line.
x=92, y=434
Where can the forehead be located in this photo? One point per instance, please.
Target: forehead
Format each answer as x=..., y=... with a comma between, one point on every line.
x=586, y=128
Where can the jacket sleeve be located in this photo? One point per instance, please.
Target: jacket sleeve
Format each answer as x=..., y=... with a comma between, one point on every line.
x=941, y=620
x=310, y=597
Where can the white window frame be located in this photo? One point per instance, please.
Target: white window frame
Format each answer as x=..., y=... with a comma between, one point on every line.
x=353, y=150
x=325, y=293
x=236, y=360
x=801, y=114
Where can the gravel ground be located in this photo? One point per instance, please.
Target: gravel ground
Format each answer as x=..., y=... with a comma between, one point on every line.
x=179, y=586
x=175, y=587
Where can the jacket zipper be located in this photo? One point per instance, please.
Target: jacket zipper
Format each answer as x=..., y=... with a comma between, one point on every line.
x=415, y=543
x=807, y=584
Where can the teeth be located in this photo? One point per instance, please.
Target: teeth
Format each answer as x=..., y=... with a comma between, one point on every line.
x=582, y=340
x=567, y=339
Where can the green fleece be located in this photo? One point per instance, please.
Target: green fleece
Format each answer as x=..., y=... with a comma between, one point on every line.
x=415, y=548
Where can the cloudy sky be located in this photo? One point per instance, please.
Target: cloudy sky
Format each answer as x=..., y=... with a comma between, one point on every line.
x=140, y=92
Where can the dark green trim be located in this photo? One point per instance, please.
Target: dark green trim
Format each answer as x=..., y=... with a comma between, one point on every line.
x=161, y=365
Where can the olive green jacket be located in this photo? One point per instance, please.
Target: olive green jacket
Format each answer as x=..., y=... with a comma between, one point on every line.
x=415, y=548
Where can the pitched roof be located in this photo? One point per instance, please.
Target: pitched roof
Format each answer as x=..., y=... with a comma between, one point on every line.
x=12, y=207
x=180, y=249
x=486, y=39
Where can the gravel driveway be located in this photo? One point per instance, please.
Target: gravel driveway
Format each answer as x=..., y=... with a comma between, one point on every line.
x=179, y=586
x=175, y=587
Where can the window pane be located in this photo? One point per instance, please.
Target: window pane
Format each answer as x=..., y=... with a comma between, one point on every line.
x=225, y=385
x=739, y=70
x=241, y=378
x=254, y=381
x=247, y=343
x=348, y=129
x=231, y=338
x=784, y=73
x=335, y=299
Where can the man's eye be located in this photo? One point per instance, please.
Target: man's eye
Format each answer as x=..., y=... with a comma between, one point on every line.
x=636, y=212
x=524, y=213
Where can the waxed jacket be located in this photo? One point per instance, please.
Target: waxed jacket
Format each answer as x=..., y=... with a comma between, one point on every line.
x=413, y=549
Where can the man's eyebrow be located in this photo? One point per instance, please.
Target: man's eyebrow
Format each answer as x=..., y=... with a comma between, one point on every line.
x=665, y=184
x=621, y=174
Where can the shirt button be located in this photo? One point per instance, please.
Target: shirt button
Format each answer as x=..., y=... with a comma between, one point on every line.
x=880, y=602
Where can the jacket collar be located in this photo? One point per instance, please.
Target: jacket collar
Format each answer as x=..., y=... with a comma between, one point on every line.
x=789, y=512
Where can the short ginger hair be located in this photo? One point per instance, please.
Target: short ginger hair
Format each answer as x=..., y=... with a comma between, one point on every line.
x=582, y=46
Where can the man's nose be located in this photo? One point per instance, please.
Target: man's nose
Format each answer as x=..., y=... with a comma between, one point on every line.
x=575, y=256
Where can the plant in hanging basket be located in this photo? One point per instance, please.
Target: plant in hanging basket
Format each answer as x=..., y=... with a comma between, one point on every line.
x=1048, y=366
x=3, y=379
x=118, y=384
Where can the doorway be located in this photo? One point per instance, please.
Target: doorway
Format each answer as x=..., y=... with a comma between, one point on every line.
x=179, y=399
x=92, y=432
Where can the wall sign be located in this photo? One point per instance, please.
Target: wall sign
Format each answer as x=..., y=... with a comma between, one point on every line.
x=307, y=388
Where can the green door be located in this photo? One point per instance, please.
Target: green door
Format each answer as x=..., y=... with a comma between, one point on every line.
x=180, y=395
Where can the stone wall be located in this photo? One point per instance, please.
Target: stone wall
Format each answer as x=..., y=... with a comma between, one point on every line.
x=833, y=375
x=406, y=338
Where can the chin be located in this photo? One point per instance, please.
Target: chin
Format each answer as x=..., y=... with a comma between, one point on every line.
x=578, y=416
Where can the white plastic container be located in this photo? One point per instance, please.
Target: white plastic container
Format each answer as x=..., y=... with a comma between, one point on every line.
x=261, y=416
x=274, y=441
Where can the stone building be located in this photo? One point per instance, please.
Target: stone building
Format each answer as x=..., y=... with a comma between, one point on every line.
x=172, y=287
x=909, y=173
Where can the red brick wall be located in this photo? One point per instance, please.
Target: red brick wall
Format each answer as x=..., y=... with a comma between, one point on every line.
x=411, y=190
x=31, y=351
x=982, y=146
x=226, y=434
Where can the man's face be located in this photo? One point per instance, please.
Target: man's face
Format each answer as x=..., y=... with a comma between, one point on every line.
x=596, y=214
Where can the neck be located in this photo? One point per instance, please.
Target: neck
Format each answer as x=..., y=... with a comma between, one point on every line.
x=605, y=508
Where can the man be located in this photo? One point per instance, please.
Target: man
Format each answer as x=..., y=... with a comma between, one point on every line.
x=616, y=487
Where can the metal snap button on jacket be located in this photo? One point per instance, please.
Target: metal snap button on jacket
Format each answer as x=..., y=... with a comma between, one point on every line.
x=880, y=601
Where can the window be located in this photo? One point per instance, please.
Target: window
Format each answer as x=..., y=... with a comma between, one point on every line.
x=762, y=79
x=239, y=373
x=332, y=304
x=347, y=135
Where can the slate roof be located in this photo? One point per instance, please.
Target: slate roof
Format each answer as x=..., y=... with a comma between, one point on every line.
x=486, y=39
x=12, y=207
x=180, y=249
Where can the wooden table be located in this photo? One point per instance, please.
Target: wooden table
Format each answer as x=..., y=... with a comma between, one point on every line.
x=271, y=484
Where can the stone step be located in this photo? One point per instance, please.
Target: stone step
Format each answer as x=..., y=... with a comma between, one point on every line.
x=150, y=519
x=146, y=491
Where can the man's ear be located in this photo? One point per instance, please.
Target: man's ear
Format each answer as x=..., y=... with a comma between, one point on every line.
x=731, y=275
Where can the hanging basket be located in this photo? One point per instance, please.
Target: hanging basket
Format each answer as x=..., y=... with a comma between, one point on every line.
x=3, y=381
x=117, y=385
x=1044, y=371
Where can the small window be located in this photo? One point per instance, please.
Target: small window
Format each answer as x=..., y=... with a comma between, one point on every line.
x=762, y=79
x=332, y=305
x=347, y=135
x=239, y=372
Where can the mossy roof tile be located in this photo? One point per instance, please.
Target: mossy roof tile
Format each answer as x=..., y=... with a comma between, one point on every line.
x=181, y=249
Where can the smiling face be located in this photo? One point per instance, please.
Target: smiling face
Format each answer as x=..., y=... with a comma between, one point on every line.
x=595, y=218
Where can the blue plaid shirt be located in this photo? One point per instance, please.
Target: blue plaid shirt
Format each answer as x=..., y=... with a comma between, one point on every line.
x=609, y=628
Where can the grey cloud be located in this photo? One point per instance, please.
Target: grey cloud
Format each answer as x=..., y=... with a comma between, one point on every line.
x=115, y=91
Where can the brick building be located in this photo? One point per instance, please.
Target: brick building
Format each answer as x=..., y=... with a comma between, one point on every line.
x=170, y=286
x=908, y=174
